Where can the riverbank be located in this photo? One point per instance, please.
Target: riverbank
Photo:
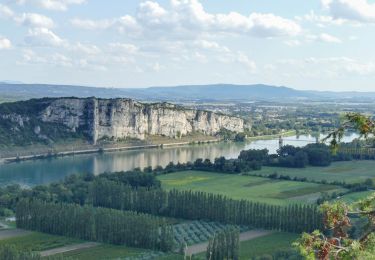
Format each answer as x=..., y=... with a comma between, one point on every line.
x=154, y=142
x=102, y=150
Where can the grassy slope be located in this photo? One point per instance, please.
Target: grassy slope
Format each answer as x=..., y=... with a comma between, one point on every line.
x=244, y=187
x=350, y=172
x=39, y=241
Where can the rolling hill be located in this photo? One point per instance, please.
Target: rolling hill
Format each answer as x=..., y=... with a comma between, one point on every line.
x=216, y=92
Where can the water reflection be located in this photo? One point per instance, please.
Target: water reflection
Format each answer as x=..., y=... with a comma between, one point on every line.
x=30, y=173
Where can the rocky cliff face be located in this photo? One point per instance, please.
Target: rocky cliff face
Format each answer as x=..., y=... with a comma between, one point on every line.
x=121, y=118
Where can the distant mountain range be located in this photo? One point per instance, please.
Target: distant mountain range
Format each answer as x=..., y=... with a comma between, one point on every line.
x=217, y=92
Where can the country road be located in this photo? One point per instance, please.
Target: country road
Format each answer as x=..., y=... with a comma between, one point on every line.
x=200, y=248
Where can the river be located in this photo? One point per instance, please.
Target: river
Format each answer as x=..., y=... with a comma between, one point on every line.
x=34, y=172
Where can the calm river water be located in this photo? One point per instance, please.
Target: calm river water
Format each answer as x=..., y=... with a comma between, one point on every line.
x=30, y=173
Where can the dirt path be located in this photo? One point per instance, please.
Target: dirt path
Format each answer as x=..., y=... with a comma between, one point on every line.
x=69, y=248
x=200, y=248
x=8, y=233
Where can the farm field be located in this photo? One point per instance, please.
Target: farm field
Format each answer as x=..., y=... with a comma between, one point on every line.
x=106, y=251
x=39, y=241
x=267, y=245
x=355, y=196
x=276, y=192
x=195, y=232
x=350, y=172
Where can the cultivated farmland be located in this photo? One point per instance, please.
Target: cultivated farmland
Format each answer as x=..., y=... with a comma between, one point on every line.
x=276, y=192
x=350, y=172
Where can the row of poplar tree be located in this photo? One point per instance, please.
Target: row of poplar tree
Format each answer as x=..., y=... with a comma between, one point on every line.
x=95, y=224
x=200, y=205
x=225, y=245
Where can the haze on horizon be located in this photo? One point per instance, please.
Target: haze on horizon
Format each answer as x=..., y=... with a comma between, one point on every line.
x=315, y=45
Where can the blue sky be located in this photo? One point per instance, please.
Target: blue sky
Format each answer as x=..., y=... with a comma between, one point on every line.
x=315, y=44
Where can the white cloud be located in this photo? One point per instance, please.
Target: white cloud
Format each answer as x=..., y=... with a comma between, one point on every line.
x=85, y=64
x=123, y=24
x=59, y=60
x=5, y=43
x=233, y=21
x=157, y=67
x=34, y=20
x=199, y=57
x=323, y=37
x=344, y=65
x=43, y=37
x=123, y=48
x=329, y=38
x=292, y=43
x=188, y=17
x=56, y=59
x=245, y=60
x=191, y=12
x=356, y=10
x=127, y=23
x=269, y=25
x=151, y=13
x=30, y=57
x=329, y=67
x=5, y=12
x=210, y=45
x=88, y=24
x=26, y=19
x=88, y=49
x=239, y=58
x=56, y=5
x=321, y=20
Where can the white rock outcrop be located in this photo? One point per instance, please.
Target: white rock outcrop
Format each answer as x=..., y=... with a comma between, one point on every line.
x=121, y=118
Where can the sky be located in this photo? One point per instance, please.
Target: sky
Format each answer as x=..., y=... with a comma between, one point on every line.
x=309, y=44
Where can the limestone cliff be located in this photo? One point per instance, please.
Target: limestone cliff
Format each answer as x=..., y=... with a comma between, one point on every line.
x=121, y=118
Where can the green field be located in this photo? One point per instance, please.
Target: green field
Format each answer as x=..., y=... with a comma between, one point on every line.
x=265, y=190
x=106, y=251
x=260, y=246
x=39, y=241
x=350, y=172
x=353, y=197
x=267, y=244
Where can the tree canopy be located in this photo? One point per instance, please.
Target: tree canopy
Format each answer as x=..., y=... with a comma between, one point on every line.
x=335, y=242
